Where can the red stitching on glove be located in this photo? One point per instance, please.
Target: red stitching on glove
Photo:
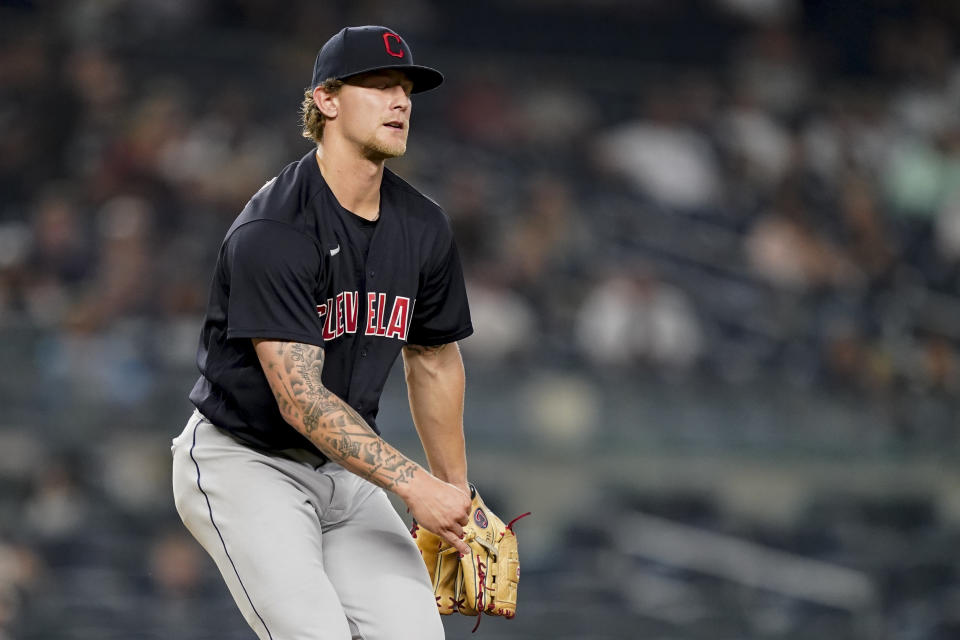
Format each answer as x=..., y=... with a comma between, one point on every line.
x=510, y=526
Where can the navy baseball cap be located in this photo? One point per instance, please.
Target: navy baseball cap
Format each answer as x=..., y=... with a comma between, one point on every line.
x=356, y=50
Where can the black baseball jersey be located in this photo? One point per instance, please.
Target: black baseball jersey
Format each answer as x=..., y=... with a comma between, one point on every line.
x=297, y=266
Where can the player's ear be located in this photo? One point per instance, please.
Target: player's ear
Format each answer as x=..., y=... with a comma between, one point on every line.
x=327, y=103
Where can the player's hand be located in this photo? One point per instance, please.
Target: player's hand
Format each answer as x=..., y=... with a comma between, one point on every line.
x=439, y=507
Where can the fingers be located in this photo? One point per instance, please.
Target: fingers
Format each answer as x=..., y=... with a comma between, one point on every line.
x=458, y=544
x=444, y=509
x=464, y=517
x=461, y=520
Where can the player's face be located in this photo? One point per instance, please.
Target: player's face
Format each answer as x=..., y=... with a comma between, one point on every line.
x=375, y=112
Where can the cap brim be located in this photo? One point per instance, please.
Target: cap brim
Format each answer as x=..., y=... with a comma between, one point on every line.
x=424, y=78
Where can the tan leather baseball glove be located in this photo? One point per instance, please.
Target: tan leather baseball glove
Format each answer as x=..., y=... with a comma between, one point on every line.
x=483, y=581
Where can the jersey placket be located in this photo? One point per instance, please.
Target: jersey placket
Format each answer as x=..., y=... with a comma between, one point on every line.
x=385, y=270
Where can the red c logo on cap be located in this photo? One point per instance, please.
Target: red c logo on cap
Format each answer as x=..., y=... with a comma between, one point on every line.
x=386, y=44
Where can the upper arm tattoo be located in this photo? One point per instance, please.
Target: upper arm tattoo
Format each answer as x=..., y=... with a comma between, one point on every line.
x=295, y=375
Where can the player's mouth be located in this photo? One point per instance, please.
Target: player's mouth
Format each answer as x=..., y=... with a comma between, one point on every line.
x=396, y=124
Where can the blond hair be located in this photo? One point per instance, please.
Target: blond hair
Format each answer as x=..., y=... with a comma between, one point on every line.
x=310, y=116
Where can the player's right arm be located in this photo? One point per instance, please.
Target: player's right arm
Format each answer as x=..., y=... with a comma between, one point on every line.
x=294, y=370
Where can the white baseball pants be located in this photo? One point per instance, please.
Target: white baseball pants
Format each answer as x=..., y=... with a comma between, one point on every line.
x=309, y=551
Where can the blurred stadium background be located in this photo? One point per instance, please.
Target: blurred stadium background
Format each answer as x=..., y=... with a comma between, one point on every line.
x=713, y=248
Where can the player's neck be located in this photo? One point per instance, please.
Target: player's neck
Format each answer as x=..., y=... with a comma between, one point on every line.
x=353, y=179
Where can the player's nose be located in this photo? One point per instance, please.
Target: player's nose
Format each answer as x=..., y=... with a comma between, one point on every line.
x=399, y=98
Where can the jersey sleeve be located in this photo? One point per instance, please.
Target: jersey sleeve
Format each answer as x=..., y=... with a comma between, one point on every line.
x=273, y=271
x=441, y=313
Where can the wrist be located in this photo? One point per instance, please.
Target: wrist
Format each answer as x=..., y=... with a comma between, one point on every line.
x=463, y=485
x=452, y=474
x=457, y=480
x=405, y=491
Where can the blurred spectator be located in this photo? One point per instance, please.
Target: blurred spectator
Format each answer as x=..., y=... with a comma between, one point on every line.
x=57, y=508
x=867, y=240
x=20, y=577
x=133, y=470
x=504, y=324
x=549, y=236
x=770, y=70
x=757, y=142
x=939, y=366
x=562, y=410
x=224, y=156
x=662, y=156
x=60, y=258
x=119, y=287
x=175, y=561
x=178, y=597
x=100, y=353
x=548, y=110
x=854, y=362
x=61, y=249
x=632, y=318
x=920, y=176
x=784, y=248
x=100, y=85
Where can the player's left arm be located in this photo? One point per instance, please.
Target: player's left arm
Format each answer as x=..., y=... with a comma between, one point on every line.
x=435, y=387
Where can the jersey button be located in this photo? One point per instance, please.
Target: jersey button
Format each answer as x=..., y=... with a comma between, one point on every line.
x=372, y=273
x=363, y=353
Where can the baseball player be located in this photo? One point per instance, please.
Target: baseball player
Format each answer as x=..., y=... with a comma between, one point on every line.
x=333, y=268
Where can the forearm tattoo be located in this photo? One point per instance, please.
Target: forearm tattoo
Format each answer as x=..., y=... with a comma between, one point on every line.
x=328, y=421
